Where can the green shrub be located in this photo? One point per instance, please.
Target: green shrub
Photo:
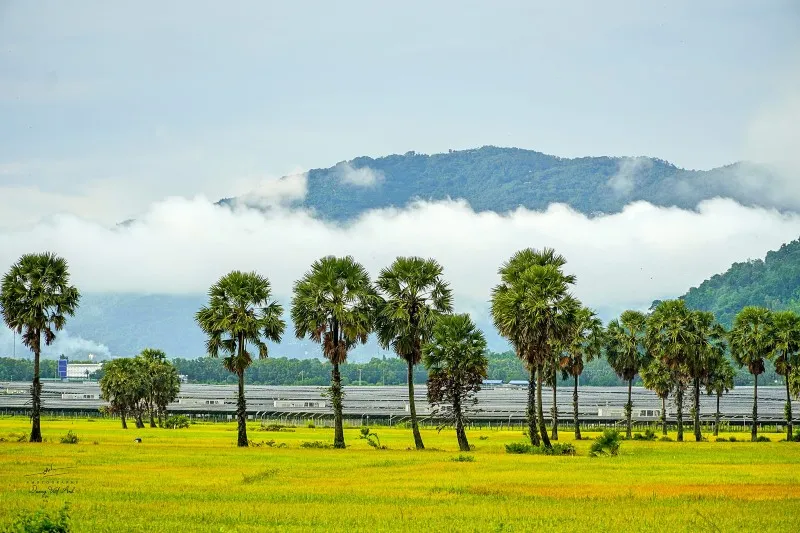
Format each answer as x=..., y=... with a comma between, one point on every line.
x=372, y=438
x=42, y=522
x=316, y=444
x=557, y=449
x=275, y=427
x=177, y=422
x=69, y=438
x=762, y=438
x=310, y=424
x=606, y=444
x=463, y=458
x=721, y=439
x=665, y=439
x=796, y=436
x=732, y=439
x=483, y=437
x=649, y=434
x=519, y=447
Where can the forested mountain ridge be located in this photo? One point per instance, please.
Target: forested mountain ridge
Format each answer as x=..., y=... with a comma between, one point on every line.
x=773, y=282
x=503, y=179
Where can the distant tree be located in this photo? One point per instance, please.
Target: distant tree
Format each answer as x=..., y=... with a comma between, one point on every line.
x=583, y=344
x=456, y=362
x=162, y=383
x=36, y=299
x=533, y=309
x=334, y=305
x=414, y=296
x=709, y=345
x=658, y=377
x=625, y=352
x=240, y=311
x=121, y=387
x=752, y=339
x=718, y=382
x=786, y=355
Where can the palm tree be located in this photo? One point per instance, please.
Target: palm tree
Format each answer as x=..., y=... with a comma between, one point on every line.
x=334, y=305
x=36, y=299
x=752, y=339
x=240, y=311
x=708, y=346
x=415, y=295
x=719, y=381
x=625, y=351
x=456, y=361
x=533, y=309
x=657, y=377
x=786, y=355
x=584, y=343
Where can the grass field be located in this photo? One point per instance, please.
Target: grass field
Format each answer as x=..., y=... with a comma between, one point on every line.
x=197, y=480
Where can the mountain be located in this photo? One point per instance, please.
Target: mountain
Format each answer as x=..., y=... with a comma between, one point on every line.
x=773, y=282
x=503, y=179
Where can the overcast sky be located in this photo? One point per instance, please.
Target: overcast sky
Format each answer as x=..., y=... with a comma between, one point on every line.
x=109, y=106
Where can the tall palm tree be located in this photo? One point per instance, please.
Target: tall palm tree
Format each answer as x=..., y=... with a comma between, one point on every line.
x=708, y=346
x=414, y=296
x=36, y=299
x=672, y=337
x=457, y=363
x=240, y=312
x=657, y=377
x=752, y=339
x=786, y=355
x=334, y=304
x=625, y=351
x=584, y=343
x=719, y=381
x=533, y=309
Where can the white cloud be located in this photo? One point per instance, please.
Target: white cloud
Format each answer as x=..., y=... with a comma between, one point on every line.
x=621, y=260
x=624, y=181
x=270, y=192
x=65, y=344
x=360, y=177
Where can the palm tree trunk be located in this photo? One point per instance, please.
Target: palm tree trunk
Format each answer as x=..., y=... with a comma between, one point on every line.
x=542, y=424
x=698, y=436
x=152, y=418
x=36, y=393
x=124, y=422
x=789, y=429
x=241, y=412
x=754, y=429
x=554, y=410
x=461, y=434
x=575, y=410
x=716, y=417
x=413, y=408
x=629, y=410
x=336, y=400
x=679, y=409
x=533, y=430
x=138, y=419
x=664, y=416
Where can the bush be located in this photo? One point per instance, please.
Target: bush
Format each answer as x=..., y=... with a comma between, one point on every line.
x=762, y=438
x=606, y=444
x=463, y=458
x=177, y=422
x=732, y=439
x=42, y=522
x=275, y=427
x=796, y=436
x=649, y=434
x=310, y=424
x=69, y=438
x=557, y=449
x=665, y=439
x=372, y=438
x=316, y=444
x=721, y=439
x=483, y=437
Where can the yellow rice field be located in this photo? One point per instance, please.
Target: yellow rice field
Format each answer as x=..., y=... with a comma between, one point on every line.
x=197, y=480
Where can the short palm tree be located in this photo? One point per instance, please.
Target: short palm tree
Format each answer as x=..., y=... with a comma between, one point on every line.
x=240, y=313
x=584, y=343
x=334, y=305
x=719, y=381
x=456, y=361
x=625, y=352
x=533, y=309
x=786, y=355
x=414, y=296
x=752, y=339
x=36, y=299
x=657, y=377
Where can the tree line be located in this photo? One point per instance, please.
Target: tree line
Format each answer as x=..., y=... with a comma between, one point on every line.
x=409, y=308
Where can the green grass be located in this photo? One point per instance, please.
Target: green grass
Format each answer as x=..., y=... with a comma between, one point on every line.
x=195, y=479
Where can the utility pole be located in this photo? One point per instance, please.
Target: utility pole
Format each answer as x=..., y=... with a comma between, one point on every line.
x=359, y=377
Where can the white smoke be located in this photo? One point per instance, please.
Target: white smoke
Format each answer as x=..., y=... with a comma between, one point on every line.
x=624, y=181
x=74, y=347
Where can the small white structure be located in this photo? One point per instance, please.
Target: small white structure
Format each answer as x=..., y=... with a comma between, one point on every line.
x=82, y=370
x=314, y=404
x=78, y=396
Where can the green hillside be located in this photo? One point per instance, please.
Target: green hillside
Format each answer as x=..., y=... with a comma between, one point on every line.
x=773, y=282
x=503, y=179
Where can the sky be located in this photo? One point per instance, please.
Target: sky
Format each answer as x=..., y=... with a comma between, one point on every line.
x=153, y=110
